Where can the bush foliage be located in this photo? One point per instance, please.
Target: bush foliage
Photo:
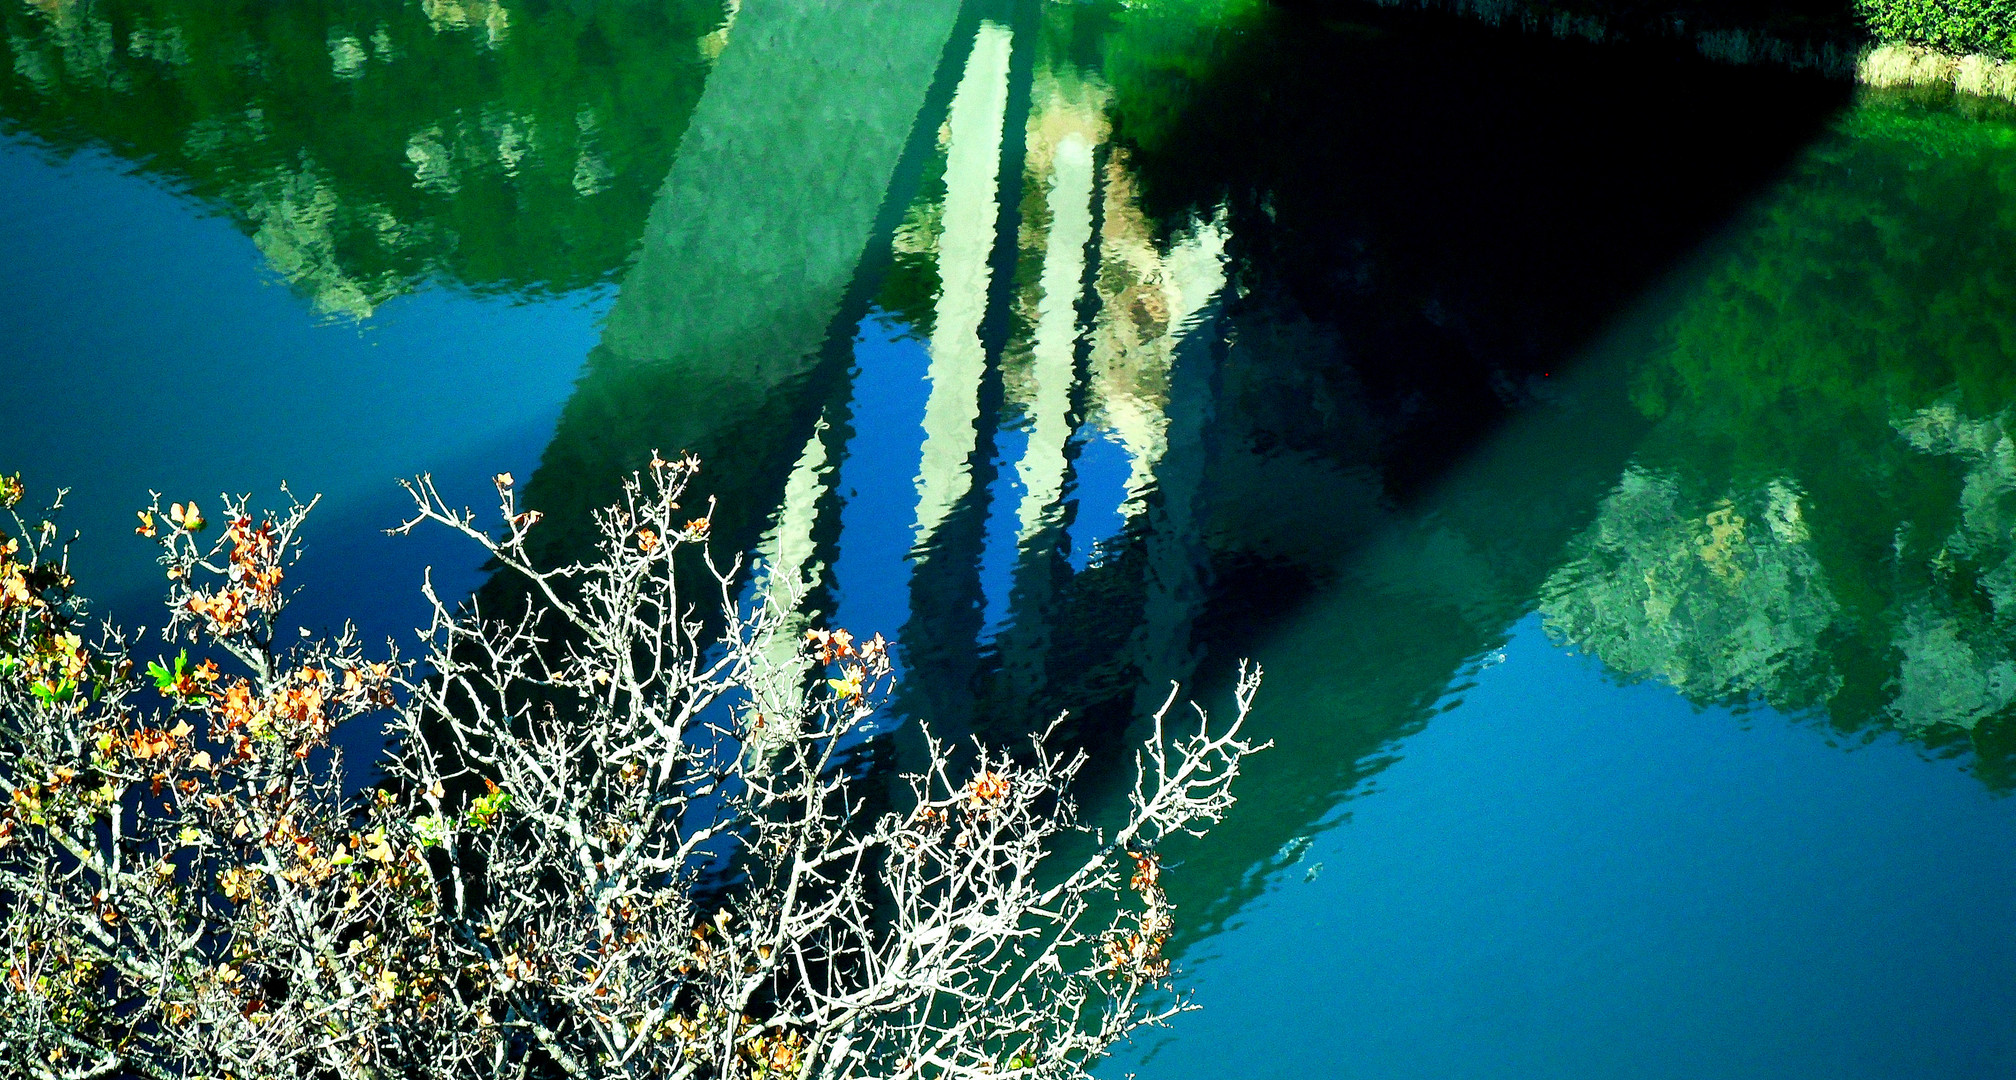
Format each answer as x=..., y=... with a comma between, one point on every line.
x=1954, y=26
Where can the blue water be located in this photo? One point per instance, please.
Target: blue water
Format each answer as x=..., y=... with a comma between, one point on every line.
x=1413, y=336
x=149, y=348
x=875, y=519
x=1565, y=876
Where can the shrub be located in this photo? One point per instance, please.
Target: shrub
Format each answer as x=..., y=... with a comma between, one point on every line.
x=1954, y=26
x=606, y=844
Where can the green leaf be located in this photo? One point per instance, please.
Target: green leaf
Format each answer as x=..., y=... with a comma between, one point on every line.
x=487, y=807
x=431, y=830
x=164, y=679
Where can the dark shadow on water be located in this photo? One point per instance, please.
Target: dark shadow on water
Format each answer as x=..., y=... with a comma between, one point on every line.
x=1463, y=209
x=1429, y=224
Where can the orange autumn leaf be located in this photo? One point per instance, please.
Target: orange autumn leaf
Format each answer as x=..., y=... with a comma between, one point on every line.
x=988, y=787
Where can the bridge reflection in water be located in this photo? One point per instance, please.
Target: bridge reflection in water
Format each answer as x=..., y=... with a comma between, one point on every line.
x=970, y=282
x=1085, y=347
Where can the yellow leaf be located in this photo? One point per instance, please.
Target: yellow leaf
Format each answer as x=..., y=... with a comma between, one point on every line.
x=375, y=846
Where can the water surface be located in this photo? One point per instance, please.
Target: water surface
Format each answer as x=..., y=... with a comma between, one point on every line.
x=1608, y=454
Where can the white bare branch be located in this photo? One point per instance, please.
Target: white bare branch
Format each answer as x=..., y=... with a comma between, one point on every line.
x=621, y=833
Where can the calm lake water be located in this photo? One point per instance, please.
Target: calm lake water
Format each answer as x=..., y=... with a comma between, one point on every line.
x=1610, y=456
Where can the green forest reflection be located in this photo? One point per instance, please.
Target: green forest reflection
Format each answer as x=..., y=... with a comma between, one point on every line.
x=1821, y=517
x=367, y=146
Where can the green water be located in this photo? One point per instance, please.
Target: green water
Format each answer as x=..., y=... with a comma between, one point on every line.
x=1611, y=457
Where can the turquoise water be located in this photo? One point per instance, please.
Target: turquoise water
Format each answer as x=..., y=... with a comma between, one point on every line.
x=147, y=347
x=1608, y=455
x=1565, y=877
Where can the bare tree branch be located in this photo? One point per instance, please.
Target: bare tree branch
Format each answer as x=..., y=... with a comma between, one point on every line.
x=609, y=843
